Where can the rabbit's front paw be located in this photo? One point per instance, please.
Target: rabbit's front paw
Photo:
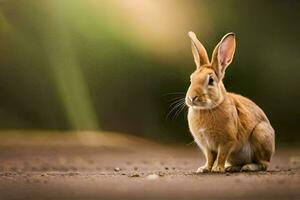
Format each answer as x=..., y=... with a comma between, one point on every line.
x=218, y=169
x=203, y=169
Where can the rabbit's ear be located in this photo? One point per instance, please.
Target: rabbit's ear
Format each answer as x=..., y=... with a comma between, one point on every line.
x=223, y=54
x=199, y=52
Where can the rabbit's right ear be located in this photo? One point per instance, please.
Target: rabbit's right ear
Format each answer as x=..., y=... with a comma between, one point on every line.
x=199, y=52
x=223, y=54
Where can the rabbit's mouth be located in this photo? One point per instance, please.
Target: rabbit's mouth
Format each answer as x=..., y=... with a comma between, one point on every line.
x=199, y=105
x=202, y=106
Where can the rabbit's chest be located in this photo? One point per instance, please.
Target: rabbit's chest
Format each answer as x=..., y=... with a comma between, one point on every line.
x=207, y=131
x=204, y=137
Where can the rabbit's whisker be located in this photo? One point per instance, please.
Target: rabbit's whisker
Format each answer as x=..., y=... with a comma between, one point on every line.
x=176, y=107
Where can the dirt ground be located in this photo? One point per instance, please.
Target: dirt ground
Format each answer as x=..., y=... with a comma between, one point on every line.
x=114, y=166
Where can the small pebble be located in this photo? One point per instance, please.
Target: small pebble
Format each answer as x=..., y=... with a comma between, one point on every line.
x=161, y=174
x=166, y=168
x=152, y=177
x=117, y=169
x=134, y=175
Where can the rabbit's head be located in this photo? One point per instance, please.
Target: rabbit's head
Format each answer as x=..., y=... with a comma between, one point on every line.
x=206, y=90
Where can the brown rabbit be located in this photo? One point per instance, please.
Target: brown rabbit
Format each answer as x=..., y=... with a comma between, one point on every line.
x=228, y=128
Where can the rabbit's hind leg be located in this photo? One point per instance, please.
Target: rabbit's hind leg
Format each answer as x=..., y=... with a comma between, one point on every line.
x=263, y=146
x=239, y=158
x=253, y=167
x=233, y=168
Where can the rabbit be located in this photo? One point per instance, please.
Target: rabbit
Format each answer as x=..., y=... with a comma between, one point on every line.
x=233, y=133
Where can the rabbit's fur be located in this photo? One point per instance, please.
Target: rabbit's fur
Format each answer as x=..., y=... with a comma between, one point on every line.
x=228, y=128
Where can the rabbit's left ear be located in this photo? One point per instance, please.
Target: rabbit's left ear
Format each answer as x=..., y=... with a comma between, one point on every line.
x=223, y=54
x=198, y=50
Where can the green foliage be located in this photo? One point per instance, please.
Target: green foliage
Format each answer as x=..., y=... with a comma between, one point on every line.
x=81, y=64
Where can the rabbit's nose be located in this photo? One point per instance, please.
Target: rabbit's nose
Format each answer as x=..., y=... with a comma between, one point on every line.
x=193, y=99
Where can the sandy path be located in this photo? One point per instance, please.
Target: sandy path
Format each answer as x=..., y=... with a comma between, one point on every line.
x=117, y=167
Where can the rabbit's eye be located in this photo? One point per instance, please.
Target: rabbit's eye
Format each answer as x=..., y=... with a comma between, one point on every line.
x=210, y=80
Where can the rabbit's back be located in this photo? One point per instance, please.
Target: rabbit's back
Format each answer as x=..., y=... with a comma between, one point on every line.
x=247, y=109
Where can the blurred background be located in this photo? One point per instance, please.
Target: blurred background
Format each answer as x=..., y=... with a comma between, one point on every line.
x=117, y=65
